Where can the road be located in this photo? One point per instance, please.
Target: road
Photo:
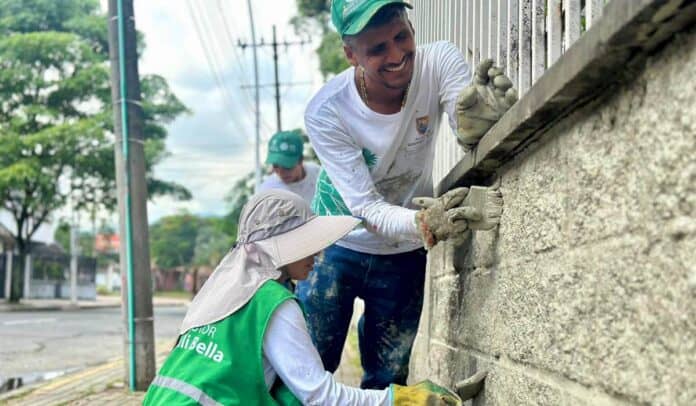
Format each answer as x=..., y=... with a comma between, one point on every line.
x=39, y=344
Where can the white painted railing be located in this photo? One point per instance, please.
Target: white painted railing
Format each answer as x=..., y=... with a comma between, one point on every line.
x=524, y=37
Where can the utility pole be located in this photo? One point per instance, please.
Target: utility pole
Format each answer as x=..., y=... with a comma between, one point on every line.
x=277, y=83
x=132, y=195
x=257, y=109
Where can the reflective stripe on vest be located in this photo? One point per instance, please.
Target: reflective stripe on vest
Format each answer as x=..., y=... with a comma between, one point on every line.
x=185, y=389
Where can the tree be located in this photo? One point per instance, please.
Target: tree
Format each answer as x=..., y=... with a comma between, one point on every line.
x=236, y=198
x=187, y=241
x=56, y=138
x=85, y=240
x=211, y=246
x=314, y=17
x=173, y=240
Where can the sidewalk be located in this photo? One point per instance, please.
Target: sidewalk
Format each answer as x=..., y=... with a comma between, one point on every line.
x=104, y=385
x=64, y=304
x=101, y=385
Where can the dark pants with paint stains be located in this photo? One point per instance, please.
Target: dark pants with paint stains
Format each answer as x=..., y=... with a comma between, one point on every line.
x=392, y=288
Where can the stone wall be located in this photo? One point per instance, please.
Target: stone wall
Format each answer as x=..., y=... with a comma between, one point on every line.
x=586, y=294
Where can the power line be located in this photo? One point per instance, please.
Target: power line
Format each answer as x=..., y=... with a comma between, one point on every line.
x=274, y=45
x=240, y=57
x=206, y=52
x=227, y=98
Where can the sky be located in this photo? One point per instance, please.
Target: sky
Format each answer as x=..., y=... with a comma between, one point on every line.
x=213, y=146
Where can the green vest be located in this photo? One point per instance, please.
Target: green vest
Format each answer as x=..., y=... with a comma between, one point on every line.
x=222, y=363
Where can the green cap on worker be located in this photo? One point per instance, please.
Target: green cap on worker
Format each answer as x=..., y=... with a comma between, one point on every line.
x=351, y=16
x=285, y=149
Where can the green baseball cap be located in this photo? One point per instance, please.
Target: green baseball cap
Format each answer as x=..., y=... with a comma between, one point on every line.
x=351, y=16
x=285, y=149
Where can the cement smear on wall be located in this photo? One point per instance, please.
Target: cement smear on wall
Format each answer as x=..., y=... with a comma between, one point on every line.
x=587, y=292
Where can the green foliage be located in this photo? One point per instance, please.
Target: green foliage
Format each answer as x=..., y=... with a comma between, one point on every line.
x=56, y=117
x=185, y=240
x=314, y=17
x=332, y=60
x=173, y=240
x=314, y=8
x=236, y=198
x=211, y=244
x=47, y=269
x=85, y=240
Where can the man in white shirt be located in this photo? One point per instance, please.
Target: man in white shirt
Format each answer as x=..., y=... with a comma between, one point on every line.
x=373, y=128
x=290, y=172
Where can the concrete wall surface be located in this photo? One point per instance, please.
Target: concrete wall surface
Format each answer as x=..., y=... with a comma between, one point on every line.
x=586, y=293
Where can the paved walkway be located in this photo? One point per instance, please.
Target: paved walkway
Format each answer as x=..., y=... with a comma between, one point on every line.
x=65, y=304
x=103, y=385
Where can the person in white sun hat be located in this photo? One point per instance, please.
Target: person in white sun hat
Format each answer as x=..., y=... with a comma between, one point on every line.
x=244, y=339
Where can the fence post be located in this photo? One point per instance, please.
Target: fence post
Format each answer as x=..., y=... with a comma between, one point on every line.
x=492, y=29
x=554, y=31
x=572, y=22
x=501, y=48
x=525, y=46
x=513, y=43
x=469, y=22
x=8, y=275
x=538, y=39
x=27, y=276
x=593, y=10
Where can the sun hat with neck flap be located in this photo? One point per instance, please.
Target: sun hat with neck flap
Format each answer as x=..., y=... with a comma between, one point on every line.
x=276, y=228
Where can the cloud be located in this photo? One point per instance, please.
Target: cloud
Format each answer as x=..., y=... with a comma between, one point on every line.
x=213, y=147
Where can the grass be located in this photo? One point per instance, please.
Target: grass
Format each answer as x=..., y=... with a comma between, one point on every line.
x=102, y=291
x=174, y=294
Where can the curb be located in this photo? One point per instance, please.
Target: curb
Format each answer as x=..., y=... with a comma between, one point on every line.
x=68, y=307
x=79, y=384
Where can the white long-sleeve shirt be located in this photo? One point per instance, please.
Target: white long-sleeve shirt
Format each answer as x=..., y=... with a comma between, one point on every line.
x=340, y=126
x=305, y=187
x=290, y=354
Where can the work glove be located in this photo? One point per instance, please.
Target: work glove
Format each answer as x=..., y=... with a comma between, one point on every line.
x=442, y=217
x=424, y=393
x=482, y=103
x=460, y=209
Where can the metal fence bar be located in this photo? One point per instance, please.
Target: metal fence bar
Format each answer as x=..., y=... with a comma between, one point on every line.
x=469, y=31
x=501, y=48
x=483, y=50
x=452, y=11
x=438, y=20
x=462, y=27
x=525, y=46
x=476, y=32
x=428, y=23
x=512, y=65
x=571, y=9
x=593, y=10
x=416, y=17
x=538, y=39
x=442, y=20
x=554, y=31
x=492, y=22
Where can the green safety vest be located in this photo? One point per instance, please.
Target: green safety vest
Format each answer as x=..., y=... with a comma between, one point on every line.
x=222, y=363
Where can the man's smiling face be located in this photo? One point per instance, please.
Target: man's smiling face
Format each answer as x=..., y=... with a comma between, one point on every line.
x=386, y=52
